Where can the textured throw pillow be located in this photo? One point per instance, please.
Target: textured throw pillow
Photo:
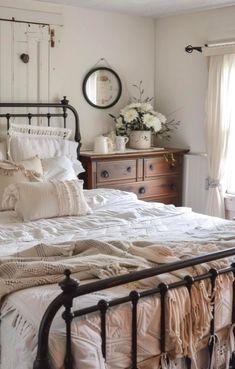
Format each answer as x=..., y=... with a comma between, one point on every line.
x=47, y=199
x=22, y=147
x=24, y=171
x=61, y=168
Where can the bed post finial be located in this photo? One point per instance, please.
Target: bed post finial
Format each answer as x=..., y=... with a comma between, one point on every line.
x=68, y=284
x=64, y=101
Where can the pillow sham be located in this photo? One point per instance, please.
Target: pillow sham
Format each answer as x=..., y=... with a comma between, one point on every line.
x=22, y=147
x=21, y=129
x=25, y=171
x=61, y=168
x=47, y=199
x=3, y=150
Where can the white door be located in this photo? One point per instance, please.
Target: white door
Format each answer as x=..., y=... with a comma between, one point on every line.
x=20, y=81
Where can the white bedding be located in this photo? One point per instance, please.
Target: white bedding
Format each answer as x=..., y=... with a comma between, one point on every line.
x=116, y=215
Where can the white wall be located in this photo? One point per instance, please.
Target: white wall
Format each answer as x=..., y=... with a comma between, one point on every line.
x=126, y=42
x=181, y=78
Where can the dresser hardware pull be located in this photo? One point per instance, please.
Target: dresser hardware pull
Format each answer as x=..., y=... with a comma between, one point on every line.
x=105, y=174
x=151, y=166
x=165, y=157
x=128, y=169
x=172, y=166
x=173, y=186
x=142, y=190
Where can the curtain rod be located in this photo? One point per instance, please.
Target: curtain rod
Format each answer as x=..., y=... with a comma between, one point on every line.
x=189, y=49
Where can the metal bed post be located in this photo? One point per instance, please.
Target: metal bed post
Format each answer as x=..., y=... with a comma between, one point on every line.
x=64, y=102
x=213, y=337
x=189, y=283
x=68, y=285
x=103, y=306
x=163, y=287
x=135, y=296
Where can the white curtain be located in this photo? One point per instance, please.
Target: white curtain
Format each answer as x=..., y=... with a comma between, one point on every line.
x=230, y=170
x=220, y=103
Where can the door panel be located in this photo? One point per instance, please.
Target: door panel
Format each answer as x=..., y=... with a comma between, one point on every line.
x=24, y=82
x=31, y=80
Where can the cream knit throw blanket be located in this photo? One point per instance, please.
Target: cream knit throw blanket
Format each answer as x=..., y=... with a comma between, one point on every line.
x=188, y=320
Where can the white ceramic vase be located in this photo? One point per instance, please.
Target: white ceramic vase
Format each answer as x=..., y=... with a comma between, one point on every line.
x=140, y=140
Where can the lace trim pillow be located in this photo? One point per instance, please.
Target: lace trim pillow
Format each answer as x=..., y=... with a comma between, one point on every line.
x=47, y=199
x=25, y=171
x=39, y=130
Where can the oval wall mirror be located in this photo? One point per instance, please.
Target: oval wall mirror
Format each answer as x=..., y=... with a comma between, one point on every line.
x=102, y=87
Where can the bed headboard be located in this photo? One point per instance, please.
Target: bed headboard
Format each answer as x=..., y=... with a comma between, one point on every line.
x=63, y=106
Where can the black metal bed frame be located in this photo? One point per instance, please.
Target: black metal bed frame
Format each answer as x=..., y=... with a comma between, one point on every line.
x=63, y=105
x=72, y=290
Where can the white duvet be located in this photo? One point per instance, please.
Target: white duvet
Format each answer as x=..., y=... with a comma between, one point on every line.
x=116, y=215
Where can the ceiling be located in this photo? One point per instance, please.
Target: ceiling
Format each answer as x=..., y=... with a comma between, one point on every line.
x=152, y=8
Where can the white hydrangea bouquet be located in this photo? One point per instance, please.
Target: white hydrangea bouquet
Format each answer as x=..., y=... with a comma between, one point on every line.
x=139, y=115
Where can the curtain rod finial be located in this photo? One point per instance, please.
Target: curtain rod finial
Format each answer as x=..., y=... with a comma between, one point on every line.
x=189, y=49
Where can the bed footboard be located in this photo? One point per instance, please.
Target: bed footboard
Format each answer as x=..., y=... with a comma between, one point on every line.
x=72, y=290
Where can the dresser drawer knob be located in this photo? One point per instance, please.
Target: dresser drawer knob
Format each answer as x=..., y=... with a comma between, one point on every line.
x=105, y=174
x=172, y=166
x=128, y=169
x=151, y=166
x=142, y=190
x=173, y=186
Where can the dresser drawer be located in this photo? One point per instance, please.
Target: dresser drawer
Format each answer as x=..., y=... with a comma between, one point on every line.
x=164, y=186
x=162, y=165
x=115, y=170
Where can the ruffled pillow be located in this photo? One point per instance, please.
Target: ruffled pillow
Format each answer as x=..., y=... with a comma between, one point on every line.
x=24, y=171
x=47, y=199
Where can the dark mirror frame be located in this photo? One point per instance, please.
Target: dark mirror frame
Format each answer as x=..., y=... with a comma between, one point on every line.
x=118, y=82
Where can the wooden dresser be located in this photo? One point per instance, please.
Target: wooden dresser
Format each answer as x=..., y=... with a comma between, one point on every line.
x=154, y=175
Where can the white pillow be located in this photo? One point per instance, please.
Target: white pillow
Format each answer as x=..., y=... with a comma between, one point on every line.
x=3, y=150
x=47, y=199
x=22, y=147
x=19, y=129
x=61, y=168
x=25, y=171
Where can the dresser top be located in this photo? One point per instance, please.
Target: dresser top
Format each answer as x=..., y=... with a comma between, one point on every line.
x=133, y=152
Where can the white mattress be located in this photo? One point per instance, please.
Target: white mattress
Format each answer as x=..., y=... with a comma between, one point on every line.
x=116, y=215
